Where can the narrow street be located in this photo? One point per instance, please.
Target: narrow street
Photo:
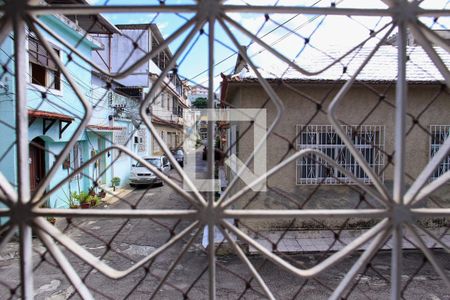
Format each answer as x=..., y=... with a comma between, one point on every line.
x=120, y=243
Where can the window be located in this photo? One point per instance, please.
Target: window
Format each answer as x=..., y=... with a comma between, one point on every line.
x=142, y=141
x=369, y=140
x=161, y=59
x=439, y=133
x=174, y=105
x=43, y=70
x=169, y=139
x=76, y=159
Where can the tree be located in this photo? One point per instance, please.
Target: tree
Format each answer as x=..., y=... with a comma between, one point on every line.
x=200, y=102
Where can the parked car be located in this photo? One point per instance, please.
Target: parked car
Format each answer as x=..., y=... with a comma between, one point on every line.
x=179, y=156
x=141, y=175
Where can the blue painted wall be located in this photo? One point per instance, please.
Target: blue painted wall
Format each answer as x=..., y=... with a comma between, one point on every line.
x=7, y=119
x=64, y=102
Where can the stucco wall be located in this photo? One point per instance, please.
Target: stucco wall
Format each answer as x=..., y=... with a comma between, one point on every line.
x=362, y=105
x=119, y=48
x=7, y=113
x=64, y=101
x=156, y=149
x=7, y=117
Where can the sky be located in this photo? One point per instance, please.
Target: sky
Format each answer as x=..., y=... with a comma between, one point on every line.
x=286, y=33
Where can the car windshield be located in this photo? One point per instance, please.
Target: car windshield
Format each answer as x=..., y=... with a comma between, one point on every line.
x=179, y=152
x=154, y=161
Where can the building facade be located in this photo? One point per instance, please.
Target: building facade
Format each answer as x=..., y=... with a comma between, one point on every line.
x=54, y=110
x=367, y=115
x=166, y=110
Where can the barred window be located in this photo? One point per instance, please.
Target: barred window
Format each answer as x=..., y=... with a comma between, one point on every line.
x=368, y=139
x=43, y=70
x=439, y=133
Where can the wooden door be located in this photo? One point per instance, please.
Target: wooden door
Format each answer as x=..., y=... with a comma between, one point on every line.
x=37, y=163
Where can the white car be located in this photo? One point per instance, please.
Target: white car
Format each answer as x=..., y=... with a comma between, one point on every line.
x=141, y=175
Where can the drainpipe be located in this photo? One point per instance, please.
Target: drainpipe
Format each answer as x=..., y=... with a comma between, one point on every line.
x=110, y=52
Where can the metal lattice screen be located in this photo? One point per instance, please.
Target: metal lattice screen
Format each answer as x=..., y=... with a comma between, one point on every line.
x=357, y=149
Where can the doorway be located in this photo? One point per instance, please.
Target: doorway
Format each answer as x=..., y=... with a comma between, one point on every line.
x=36, y=162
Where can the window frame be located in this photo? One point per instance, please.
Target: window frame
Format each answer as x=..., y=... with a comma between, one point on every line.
x=376, y=154
x=47, y=86
x=434, y=147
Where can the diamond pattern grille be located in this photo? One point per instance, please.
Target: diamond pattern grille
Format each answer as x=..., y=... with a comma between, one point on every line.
x=153, y=248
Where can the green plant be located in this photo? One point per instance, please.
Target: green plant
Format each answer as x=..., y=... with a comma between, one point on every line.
x=94, y=200
x=115, y=181
x=200, y=102
x=81, y=197
x=71, y=201
x=86, y=200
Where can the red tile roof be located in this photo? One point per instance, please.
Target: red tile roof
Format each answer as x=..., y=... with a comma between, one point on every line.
x=49, y=115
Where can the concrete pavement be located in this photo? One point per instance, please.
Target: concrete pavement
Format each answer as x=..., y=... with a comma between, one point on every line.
x=121, y=243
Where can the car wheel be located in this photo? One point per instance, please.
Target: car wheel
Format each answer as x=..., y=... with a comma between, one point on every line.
x=182, y=164
x=132, y=185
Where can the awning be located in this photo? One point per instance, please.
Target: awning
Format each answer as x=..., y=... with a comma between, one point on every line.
x=104, y=128
x=36, y=114
x=50, y=118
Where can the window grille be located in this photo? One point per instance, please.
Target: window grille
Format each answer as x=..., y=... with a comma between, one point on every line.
x=398, y=220
x=368, y=139
x=142, y=133
x=439, y=133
